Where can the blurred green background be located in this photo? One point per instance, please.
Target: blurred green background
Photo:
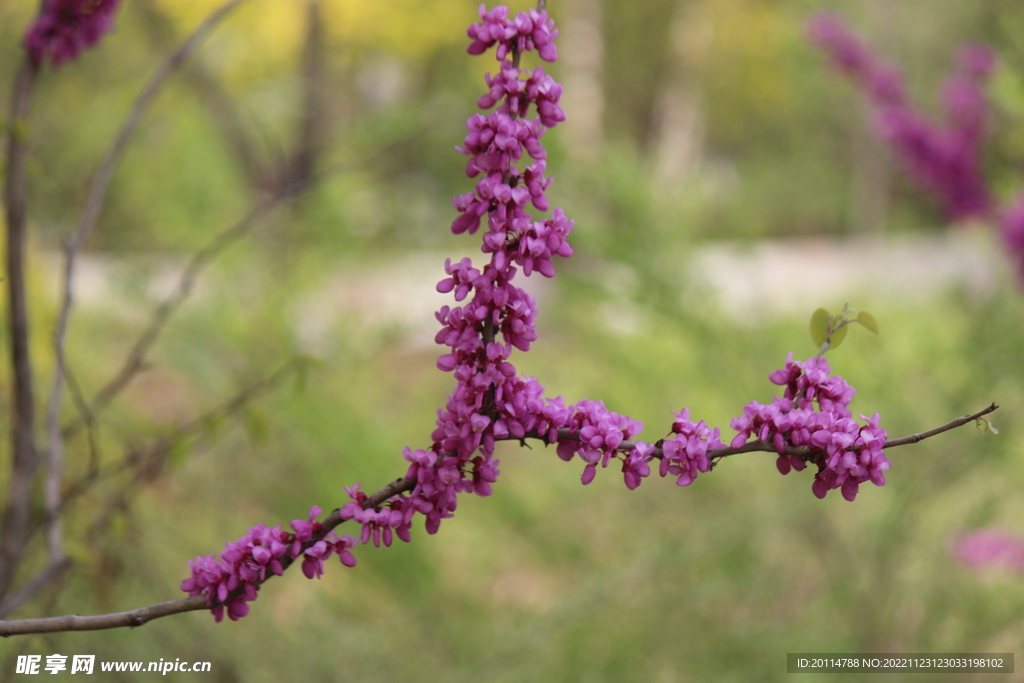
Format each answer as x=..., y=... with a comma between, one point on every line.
x=695, y=126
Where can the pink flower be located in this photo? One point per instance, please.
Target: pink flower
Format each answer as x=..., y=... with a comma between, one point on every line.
x=944, y=158
x=685, y=452
x=232, y=579
x=1011, y=229
x=528, y=31
x=991, y=547
x=847, y=453
x=64, y=28
x=312, y=561
x=635, y=467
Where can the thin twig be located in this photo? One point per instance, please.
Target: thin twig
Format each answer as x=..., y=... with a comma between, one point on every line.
x=53, y=571
x=333, y=520
x=82, y=406
x=953, y=424
x=136, y=458
x=25, y=459
x=187, y=280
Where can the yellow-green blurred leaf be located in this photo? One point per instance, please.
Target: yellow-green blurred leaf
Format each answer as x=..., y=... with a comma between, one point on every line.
x=868, y=321
x=984, y=425
x=838, y=336
x=819, y=326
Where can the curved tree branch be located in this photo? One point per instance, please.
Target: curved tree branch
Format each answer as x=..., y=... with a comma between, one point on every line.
x=25, y=460
x=142, y=615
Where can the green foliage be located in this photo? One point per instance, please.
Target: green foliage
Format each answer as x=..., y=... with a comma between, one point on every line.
x=985, y=425
x=826, y=327
x=868, y=321
x=820, y=321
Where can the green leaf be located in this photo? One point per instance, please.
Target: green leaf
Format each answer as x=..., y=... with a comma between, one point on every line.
x=838, y=336
x=984, y=425
x=819, y=326
x=868, y=321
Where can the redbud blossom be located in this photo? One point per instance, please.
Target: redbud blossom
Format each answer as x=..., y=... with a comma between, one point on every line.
x=64, y=28
x=232, y=578
x=814, y=413
x=991, y=547
x=945, y=158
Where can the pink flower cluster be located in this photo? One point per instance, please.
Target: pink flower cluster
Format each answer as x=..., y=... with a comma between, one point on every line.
x=599, y=436
x=847, y=453
x=491, y=401
x=64, y=28
x=991, y=547
x=243, y=565
x=600, y=433
x=528, y=31
x=685, y=452
x=944, y=158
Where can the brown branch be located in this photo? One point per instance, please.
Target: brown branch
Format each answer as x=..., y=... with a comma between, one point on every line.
x=73, y=622
x=309, y=144
x=138, y=617
x=18, y=510
x=762, y=446
x=333, y=520
x=952, y=424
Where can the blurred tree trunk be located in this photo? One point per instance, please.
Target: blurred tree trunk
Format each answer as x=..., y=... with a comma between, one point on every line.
x=581, y=52
x=221, y=107
x=266, y=176
x=870, y=180
x=870, y=163
x=678, y=113
x=311, y=135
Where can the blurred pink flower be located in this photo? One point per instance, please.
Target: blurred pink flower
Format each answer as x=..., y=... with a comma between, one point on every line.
x=64, y=28
x=986, y=547
x=944, y=157
x=1011, y=225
